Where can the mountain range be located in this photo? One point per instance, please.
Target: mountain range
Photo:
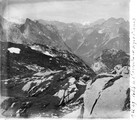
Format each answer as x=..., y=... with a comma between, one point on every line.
x=54, y=69
x=87, y=41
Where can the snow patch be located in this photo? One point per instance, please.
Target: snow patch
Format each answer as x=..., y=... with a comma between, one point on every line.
x=18, y=113
x=12, y=105
x=100, y=31
x=86, y=23
x=49, y=78
x=60, y=93
x=46, y=73
x=34, y=67
x=72, y=80
x=35, y=47
x=14, y=50
x=69, y=71
x=49, y=54
x=40, y=89
x=27, y=86
x=6, y=83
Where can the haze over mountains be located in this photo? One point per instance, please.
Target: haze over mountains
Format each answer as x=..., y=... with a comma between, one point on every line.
x=54, y=65
x=88, y=40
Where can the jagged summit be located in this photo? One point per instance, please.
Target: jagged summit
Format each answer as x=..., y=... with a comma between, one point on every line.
x=34, y=32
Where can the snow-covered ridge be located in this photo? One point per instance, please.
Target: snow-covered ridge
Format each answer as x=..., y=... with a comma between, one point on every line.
x=37, y=48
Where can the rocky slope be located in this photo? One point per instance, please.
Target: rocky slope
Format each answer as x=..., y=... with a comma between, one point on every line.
x=106, y=96
x=55, y=84
x=41, y=77
x=109, y=96
x=109, y=59
x=41, y=81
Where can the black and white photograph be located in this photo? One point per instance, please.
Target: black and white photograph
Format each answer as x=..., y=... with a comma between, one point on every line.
x=65, y=59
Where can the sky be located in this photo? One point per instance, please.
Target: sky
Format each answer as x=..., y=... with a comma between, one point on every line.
x=64, y=10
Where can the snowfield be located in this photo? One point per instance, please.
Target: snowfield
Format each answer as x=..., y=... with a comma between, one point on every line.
x=100, y=31
x=46, y=73
x=14, y=50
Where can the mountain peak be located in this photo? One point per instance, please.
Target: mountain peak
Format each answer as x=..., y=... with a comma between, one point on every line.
x=121, y=20
x=112, y=19
x=86, y=23
x=28, y=21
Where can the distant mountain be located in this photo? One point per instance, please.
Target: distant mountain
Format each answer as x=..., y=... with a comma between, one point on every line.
x=87, y=41
x=71, y=33
x=111, y=34
x=32, y=32
x=97, y=22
